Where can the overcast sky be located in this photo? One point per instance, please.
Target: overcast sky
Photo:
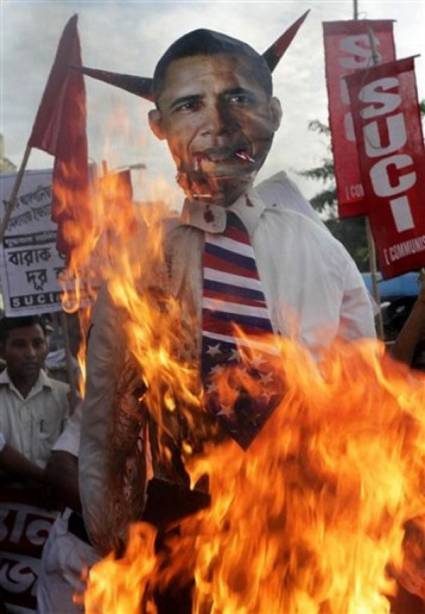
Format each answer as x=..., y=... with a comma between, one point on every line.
x=130, y=35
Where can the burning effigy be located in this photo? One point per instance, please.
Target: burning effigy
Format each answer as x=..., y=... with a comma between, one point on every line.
x=247, y=445
x=311, y=517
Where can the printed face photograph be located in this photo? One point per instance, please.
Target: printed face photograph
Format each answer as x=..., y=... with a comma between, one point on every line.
x=218, y=121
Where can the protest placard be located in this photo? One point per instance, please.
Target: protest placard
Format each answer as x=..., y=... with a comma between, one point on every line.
x=387, y=124
x=29, y=261
x=348, y=48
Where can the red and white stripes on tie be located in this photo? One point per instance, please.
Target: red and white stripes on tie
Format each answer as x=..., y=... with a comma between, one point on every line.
x=233, y=297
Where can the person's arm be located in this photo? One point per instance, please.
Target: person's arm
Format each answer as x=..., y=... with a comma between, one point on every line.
x=62, y=477
x=16, y=465
x=412, y=331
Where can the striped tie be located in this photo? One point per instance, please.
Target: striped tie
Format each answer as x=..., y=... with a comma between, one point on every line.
x=232, y=295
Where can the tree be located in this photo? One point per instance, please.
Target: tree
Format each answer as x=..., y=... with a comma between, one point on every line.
x=352, y=231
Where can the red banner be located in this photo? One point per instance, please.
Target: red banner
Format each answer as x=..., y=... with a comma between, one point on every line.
x=388, y=130
x=348, y=49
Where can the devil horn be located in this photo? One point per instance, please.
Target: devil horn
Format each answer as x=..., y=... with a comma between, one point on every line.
x=276, y=51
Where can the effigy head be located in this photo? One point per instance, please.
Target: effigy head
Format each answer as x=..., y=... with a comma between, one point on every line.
x=214, y=106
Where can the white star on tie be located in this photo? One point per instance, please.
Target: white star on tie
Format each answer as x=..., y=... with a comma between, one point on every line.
x=211, y=388
x=226, y=411
x=256, y=362
x=266, y=395
x=266, y=378
x=217, y=370
x=234, y=355
x=213, y=350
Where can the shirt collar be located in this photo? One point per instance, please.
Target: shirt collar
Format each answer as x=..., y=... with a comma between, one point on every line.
x=43, y=381
x=212, y=218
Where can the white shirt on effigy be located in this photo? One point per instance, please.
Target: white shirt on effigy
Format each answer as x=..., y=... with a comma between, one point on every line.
x=313, y=289
x=32, y=424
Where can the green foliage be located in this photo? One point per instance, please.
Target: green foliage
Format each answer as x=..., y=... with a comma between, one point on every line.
x=324, y=172
x=317, y=126
x=351, y=232
x=325, y=201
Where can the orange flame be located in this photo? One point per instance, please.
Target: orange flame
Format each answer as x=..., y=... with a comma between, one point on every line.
x=311, y=518
x=312, y=515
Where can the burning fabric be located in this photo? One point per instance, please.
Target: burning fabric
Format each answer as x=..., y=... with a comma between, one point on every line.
x=186, y=357
x=309, y=519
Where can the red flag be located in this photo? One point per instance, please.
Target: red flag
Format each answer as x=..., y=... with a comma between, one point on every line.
x=348, y=49
x=60, y=129
x=388, y=130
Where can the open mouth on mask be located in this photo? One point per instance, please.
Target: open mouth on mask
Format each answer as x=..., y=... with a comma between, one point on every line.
x=217, y=169
x=212, y=158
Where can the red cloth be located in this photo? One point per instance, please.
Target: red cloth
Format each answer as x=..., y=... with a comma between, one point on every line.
x=347, y=50
x=387, y=124
x=60, y=129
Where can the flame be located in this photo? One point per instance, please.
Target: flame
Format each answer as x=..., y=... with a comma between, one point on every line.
x=312, y=517
x=110, y=571
x=309, y=519
x=123, y=247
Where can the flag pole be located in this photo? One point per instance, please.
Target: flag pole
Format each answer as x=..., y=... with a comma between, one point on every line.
x=370, y=241
x=69, y=365
x=369, y=237
x=10, y=204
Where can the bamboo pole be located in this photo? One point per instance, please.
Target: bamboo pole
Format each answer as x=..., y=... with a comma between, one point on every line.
x=69, y=362
x=13, y=196
x=374, y=277
x=370, y=241
x=369, y=237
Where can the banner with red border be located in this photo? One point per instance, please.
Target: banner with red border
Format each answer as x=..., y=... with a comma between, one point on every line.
x=348, y=48
x=387, y=124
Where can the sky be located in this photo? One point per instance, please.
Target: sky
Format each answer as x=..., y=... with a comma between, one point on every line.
x=129, y=36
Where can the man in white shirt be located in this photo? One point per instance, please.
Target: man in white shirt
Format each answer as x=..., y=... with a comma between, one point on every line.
x=216, y=110
x=33, y=407
x=67, y=553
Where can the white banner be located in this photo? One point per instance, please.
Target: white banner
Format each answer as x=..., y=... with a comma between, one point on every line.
x=29, y=261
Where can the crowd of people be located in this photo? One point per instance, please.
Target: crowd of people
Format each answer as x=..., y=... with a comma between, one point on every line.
x=235, y=255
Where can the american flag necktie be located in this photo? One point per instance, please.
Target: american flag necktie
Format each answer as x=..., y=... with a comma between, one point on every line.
x=233, y=298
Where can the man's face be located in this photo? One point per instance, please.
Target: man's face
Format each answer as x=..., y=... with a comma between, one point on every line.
x=24, y=351
x=219, y=124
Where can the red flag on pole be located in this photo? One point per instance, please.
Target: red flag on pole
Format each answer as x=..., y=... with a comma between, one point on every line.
x=348, y=49
x=385, y=108
x=60, y=129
